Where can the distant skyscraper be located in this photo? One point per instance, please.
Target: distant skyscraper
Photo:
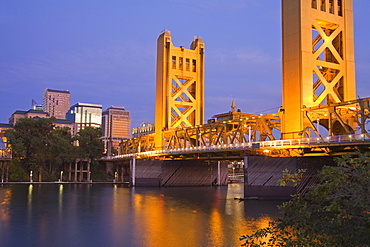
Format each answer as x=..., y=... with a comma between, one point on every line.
x=56, y=103
x=84, y=114
x=116, y=126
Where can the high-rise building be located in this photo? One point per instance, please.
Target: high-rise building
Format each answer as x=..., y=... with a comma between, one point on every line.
x=84, y=114
x=116, y=126
x=56, y=103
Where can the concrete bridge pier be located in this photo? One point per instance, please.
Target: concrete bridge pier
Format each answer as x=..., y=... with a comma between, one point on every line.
x=178, y=173
x=262, y=173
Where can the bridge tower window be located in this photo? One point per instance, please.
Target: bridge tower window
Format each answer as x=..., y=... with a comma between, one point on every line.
x=181, y=63
x=194, y=65
x=323, y=5
x=188, y=64
x=314, y=4
x=331, y=6
x=340, y=8
x=173, y=62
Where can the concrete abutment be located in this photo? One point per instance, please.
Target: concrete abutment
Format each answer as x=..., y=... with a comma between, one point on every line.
x=262, y=175
x=169, y=173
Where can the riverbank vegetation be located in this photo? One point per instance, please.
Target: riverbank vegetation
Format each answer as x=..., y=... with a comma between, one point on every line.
x=334, y=213
x=38, y=146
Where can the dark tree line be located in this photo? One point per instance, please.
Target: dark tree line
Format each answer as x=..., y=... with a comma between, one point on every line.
x=335, y=213
x=39, y=146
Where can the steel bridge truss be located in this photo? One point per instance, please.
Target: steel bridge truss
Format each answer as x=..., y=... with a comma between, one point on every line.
x=349, y=117
x=251, y=129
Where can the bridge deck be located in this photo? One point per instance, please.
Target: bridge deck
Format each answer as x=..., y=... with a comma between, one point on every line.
x=330, y=145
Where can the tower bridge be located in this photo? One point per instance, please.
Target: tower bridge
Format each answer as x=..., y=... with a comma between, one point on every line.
x=320, y=114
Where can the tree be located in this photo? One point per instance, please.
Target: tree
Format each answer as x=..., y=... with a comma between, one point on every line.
x=90, y=144
x=38, y=145
x=334, y=213
x=62, y=150
x=30, y=141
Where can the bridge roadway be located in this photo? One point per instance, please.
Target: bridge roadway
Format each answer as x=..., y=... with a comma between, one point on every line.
x=317, y=146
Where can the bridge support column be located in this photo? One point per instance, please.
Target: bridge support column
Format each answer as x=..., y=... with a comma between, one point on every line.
x=179, y=173
x=318, y=62
x=133, y=172
x=262, y=173
x=218, y=173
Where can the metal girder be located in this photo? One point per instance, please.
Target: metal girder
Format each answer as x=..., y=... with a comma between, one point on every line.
x=253, y=129
x=137, y=145
x=343, y=118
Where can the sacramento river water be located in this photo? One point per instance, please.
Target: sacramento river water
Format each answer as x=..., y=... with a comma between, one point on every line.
x=105, y=215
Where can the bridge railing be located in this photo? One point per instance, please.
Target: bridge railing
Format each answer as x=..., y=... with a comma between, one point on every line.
x=316, y=140
x=255, y=145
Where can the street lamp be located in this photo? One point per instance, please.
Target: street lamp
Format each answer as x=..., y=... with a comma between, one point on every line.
x=233, y=172
x=61, y=176
x=318, y=127
x=31, y=179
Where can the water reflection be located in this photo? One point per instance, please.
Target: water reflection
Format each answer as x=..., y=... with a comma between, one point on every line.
x=60, y=201
x=5, y=199
x=107, y=215
x=29, y=203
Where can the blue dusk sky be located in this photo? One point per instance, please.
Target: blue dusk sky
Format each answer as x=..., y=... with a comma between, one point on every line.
x=104, y=52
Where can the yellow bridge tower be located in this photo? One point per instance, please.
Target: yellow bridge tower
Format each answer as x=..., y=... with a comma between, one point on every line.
x=180, y=86
x=318, y=64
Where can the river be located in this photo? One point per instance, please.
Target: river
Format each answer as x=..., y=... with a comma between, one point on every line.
x=106, y=215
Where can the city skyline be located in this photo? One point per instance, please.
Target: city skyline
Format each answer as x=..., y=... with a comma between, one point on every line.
x=105, y=53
